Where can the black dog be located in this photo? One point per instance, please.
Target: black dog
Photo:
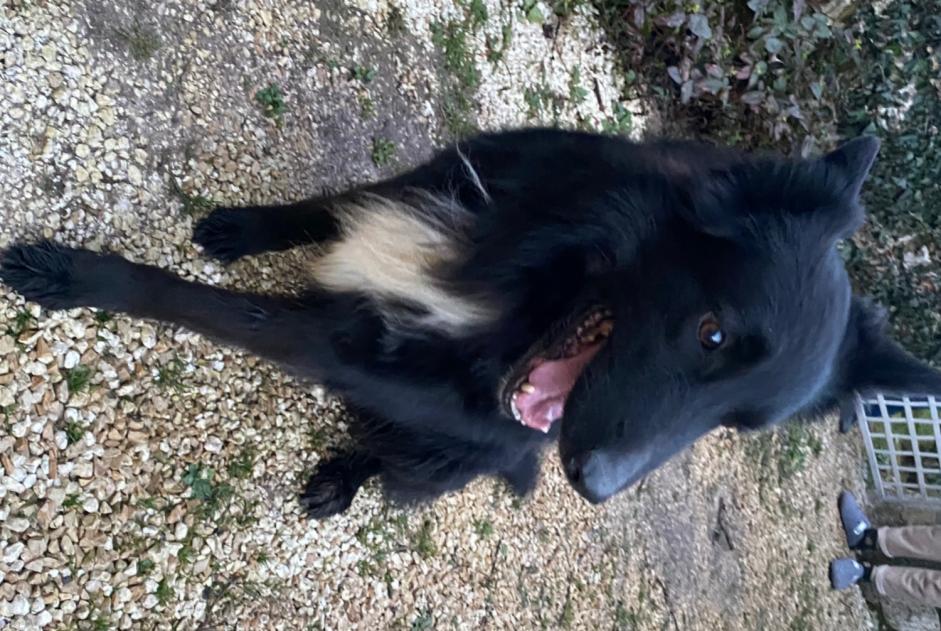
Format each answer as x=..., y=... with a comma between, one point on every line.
x=538, y=285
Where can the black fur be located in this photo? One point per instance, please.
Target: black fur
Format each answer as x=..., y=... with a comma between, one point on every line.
x=660, y=233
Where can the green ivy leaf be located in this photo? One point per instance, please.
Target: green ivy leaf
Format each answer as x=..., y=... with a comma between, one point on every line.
x=773, y=45
x=758, y=5
x=713, y=86
x=699, y=26
x=675, y=20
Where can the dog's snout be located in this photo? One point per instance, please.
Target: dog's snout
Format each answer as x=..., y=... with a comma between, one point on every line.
x=597, y=475
x=574, y=466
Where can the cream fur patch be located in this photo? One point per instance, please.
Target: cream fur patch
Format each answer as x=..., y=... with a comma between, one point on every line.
x=391, y=248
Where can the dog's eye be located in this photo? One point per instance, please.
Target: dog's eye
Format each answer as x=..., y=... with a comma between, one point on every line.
x=711, y=335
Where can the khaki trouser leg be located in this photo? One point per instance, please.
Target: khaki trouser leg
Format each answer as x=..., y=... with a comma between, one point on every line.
x=911, y=584
x=911, y=542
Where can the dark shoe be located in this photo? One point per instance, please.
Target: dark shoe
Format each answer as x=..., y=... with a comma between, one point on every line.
x=855, y=523
x=846, y=573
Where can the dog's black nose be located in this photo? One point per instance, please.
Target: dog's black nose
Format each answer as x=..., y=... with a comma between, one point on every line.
x=575, y=466
x=582, y=472
x=598, y=475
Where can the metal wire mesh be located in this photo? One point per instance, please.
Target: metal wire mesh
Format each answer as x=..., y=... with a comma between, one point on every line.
x=903, y=443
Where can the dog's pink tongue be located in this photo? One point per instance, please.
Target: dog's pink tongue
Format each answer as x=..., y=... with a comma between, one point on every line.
x=552, y=381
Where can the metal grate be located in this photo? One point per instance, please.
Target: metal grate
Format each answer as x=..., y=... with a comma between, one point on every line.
x=903, y=442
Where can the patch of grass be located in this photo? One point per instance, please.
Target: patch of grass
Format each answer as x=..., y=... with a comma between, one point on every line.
x=423, y=543
x=72, y=500
x=477, y=14
x=483, y=527
x=145, y=567
x=241, y=467
x=532, y=9
x=367, y=108
x=568, y=615
x=542, y=534
x=77, y=378
x=624, y=618
x=381, y=536
x=539, y=99
x=496, y=48
x=797, y=442
x=51, y=185
x=565, y=8
x=164, y=592
x=317, y=438
x=809, y=604
x=621, y=121
x=170, y=375
x=100, y=623
x=185, y=554
x=74, y=432
x=395, y=21
x=456, y=113
x=213, y=495
x=103, y=317
x=453, y=38
x=423, y=621
x=148, y=502
x=383, y=151
x=271, y=100
x=197, y=205
x=363, y=74
x=193, y=205
x=141, y=41
x=21, y=323
x=577, y=92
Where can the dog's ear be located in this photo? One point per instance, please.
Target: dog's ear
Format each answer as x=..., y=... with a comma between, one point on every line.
x=872, y=362
x=824, y=192
x=850, y=163
x=844, y=171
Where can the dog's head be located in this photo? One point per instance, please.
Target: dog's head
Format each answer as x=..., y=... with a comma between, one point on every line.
x=739, y=313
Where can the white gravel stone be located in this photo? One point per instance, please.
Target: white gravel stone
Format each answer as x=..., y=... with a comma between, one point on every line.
x=20, y=606
x=12, y=552
x=71, y=359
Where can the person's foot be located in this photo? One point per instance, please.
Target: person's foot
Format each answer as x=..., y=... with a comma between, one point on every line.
x=846, y=573
x=855, y=522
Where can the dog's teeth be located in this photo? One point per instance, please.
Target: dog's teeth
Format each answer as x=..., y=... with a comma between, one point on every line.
x=515, y=410
x=527, y=388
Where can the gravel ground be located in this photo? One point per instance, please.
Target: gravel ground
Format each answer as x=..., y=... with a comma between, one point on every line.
x=150, y=477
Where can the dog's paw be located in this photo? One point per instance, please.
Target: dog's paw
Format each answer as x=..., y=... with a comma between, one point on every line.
x=329, y=491
x=522, y=478
x=42, y=272
x=227, y=234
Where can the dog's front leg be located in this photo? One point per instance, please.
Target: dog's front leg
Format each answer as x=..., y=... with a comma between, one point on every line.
x=272, y=327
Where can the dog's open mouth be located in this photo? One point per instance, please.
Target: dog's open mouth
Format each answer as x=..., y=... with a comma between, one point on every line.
x=538, y=390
